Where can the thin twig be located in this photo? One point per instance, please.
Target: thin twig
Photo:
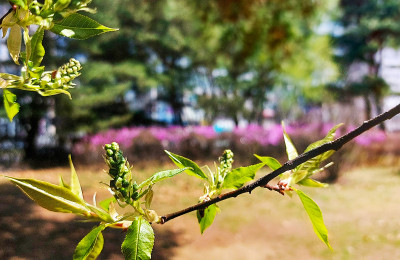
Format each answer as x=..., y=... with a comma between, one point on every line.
x=289, y=165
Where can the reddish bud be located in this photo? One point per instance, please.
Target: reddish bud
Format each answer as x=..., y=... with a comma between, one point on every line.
x=53, y=74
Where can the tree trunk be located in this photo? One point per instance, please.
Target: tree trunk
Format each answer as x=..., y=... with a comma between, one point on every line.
x=367, y=111
x=379, y=110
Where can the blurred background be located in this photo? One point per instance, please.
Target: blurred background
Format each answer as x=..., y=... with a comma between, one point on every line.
x=197, y=77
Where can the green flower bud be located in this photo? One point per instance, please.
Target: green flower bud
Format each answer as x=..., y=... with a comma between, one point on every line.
x=109, y=152
x=114, y=146
x=125, y=183
x=123, y=192
x=111, y=162
x=118, y=183
x=226, y=161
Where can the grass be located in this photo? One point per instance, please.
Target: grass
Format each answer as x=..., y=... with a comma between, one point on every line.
x=360, y=211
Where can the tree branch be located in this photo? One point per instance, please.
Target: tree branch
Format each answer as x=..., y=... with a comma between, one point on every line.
x=289, y=165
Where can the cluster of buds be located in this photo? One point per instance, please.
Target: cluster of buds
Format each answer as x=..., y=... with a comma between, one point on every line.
x=68, y=72
x=226, y=161
x=120, y=172
x=58, y=81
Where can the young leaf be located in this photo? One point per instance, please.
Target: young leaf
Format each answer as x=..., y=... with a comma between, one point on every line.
x=315, y=215
x=290, y=149
x=192, y=168
x=139, y=240
x=148, y=198
x=105, y=204
x=37, y=48
x=75, y=185
x=329, y=137
x=297, y=176
x=51, y=197
x=101, y=214
x=159, y=176
x=271, y=162
x=79, y=27
x=6, y=76
x=312, y=183
x=206, y=217
x=313, y=164
x=91, y=245
x=239, y=176
x=14, y=42
x=63, y=184
x=10, y=104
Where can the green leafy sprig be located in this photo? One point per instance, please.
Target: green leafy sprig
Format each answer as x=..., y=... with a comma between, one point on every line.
x=68, y=198
x=59, y=16
x=224, y=177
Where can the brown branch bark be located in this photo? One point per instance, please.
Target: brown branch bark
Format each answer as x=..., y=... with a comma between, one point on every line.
x=289, y=165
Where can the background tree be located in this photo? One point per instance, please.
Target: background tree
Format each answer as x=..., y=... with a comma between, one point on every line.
x=369, y=26
x=148, y=52
x=256, y=45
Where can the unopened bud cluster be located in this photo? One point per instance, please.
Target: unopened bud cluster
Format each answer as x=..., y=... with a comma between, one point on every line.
x=68, y=72
x=120, y=173
x=58, y=81
x=226, y=161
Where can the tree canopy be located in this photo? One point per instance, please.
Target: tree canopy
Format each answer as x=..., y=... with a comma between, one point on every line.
x=239, y=49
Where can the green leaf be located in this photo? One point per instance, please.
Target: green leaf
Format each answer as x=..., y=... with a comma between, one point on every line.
x=105, y=204
x=239, y=176
x=7, y=76
x=63, y=184
x=298, y=176
x=315, y=216
x=79, y=27
x=10, y=104
x=139, y=240
x=290, y=148
x=51, y=92
x=101, y=214
x=14, y=42
x=313, y=164
x=51, y=197
x=206, y=217
x=159, y=176
x=271, y=162
x=312, y=183
x=148, y=198
x=37, y=48
x=75, y=185
x=91, y=245
x=192, y=168
x=329, y=137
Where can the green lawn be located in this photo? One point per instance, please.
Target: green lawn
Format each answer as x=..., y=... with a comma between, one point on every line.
x=361, y=213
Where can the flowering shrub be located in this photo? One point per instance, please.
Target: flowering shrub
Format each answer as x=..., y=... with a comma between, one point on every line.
x=204, y=141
